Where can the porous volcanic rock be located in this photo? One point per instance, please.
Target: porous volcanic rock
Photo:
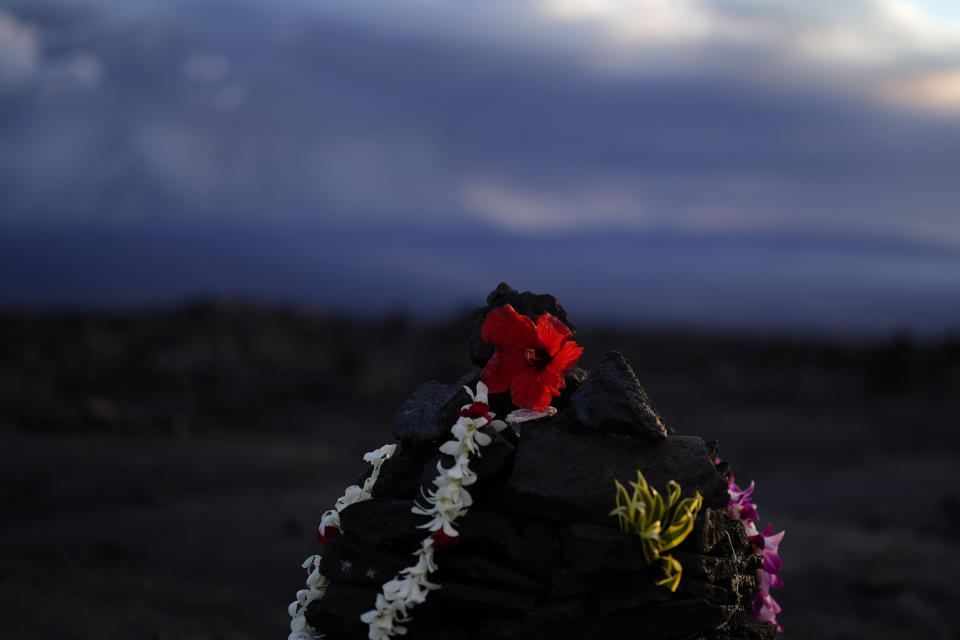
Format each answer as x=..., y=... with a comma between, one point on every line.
x=429, y=412
x=539, y=556
x=611, y=400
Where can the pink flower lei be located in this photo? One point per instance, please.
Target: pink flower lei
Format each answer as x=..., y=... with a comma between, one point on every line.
x=765, y=543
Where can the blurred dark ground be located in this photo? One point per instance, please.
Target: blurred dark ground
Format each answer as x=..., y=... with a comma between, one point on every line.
x=164, y=470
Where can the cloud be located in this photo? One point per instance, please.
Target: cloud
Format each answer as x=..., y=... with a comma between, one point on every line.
x=19, y=51
x=205, y=67
x=857, y=47
x=557, y=210
x=848, y=33
x=716, y=119
x=892, y=51
x=23, y=63
x=79, y=69
x=937, y=91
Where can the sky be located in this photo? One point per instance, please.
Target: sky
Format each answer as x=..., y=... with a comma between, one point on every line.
x=741, y=163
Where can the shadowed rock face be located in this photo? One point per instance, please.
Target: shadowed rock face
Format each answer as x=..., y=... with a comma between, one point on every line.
x=429, y=412
x=539, y=556
x=611, y=400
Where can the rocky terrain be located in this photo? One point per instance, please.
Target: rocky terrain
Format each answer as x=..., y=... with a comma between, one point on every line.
x=164, y=470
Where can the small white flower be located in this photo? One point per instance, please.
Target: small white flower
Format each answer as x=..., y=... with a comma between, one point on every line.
x=298, y=623
x=383, y=620
x=465, y=430
x=408, y=591
x=423, y=511
x=318, y=583
x=424, y=566
x=377, y=456
x=480, y=395
x=481, y=439
x=453, y=448
x=460, y=471
x=381, y=624
x=330, y=518
x=352, y=495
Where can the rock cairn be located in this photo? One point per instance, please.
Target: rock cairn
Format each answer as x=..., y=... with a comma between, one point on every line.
x=538, y=556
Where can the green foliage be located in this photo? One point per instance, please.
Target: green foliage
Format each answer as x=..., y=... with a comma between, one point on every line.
x=661, y=525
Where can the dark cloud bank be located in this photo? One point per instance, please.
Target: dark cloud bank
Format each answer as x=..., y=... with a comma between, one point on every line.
x=265, y=153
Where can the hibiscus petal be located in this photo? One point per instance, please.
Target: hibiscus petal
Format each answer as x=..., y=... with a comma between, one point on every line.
x=546, y=397
x=504, y=325
x=527, y=392
x=506, y=364
x=552, y=333
x=566, y=357
x=551, y=379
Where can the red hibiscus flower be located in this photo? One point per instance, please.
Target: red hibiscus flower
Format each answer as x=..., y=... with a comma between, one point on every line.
x=530, y=359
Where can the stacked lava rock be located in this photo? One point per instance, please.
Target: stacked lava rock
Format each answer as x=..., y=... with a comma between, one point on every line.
x=539, y=556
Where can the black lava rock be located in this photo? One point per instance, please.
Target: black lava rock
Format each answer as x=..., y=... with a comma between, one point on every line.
x=338, y=611
x=400, y=473
x=569, y=477
x=708, y=530
x=483, y=601
x=347, y=559
x=382, y=520
x=592, y=548
x=485, y=572
x=611, y=400
x=428, y=414
x=572, y=380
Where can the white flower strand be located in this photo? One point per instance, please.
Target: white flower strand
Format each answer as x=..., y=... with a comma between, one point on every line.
x=447, y=502
x=316, y=587
x=316, y=583
x=354, y=494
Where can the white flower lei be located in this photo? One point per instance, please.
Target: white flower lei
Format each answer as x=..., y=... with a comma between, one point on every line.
x=317, y=583
x=447, y=502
